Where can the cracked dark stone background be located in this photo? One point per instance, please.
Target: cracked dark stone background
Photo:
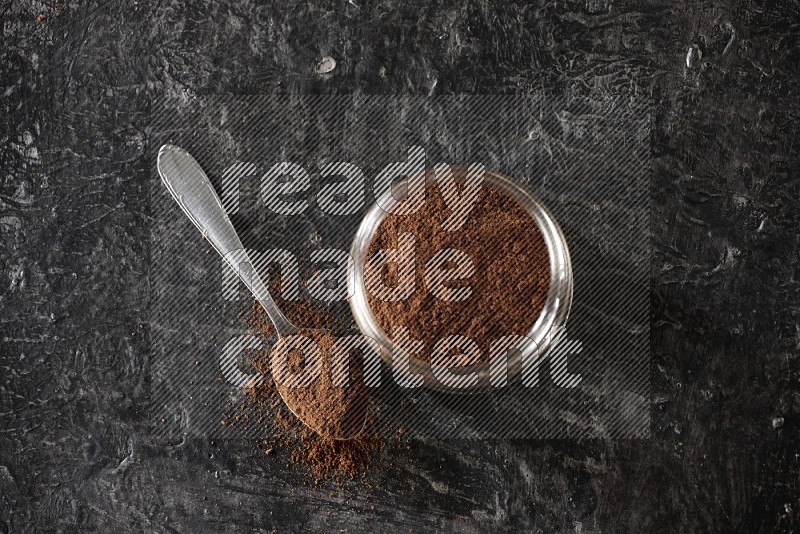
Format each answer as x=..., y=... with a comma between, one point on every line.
x=77, y=80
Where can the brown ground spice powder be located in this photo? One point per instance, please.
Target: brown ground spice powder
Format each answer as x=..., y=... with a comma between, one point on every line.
x=511, y=271
x=324, y=457
x=509, y=287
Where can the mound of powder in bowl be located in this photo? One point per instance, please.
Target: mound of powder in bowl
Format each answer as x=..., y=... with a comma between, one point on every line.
x=508, y=267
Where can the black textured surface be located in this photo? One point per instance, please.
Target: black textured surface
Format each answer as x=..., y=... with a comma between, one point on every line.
x=77, y=81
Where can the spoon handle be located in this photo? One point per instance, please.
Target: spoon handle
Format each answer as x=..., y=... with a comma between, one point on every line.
x=192, y=190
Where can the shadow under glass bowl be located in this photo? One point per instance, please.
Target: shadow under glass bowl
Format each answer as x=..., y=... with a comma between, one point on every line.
x=553, y=315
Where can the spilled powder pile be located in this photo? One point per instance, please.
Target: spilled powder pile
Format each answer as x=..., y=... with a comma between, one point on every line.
x=509, y=284
x=324, y=457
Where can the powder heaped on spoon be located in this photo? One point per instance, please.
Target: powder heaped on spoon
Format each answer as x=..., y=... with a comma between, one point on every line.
x=333, y=399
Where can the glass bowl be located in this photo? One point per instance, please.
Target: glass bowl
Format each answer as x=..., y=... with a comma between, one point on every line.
x=553, y=315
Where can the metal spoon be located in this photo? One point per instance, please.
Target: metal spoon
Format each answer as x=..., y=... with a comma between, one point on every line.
x=192, y=190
